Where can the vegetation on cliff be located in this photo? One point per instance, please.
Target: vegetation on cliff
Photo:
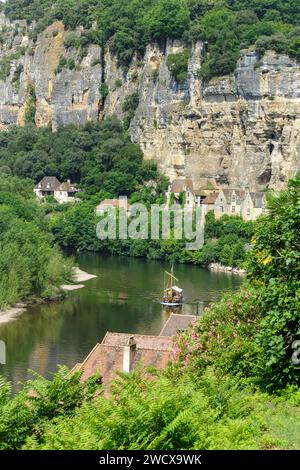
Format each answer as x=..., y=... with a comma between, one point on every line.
x=225, y=26
x=232, y=384
x=30, y=265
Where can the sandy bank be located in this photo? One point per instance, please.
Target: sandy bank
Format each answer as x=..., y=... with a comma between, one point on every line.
x=82, y=276
x=78, y=277
x=12, y=313
x=70, y=287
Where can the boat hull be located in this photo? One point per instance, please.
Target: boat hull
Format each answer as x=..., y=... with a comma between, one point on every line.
x=171, y=304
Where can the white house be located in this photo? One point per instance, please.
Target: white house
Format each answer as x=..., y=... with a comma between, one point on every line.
x=46, y=186
x=66, y=192
x=253, y=205
x=51, y=186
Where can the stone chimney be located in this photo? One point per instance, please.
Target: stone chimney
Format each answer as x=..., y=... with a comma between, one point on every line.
x=128, y=354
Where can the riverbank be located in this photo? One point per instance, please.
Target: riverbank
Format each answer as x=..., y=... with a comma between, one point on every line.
x=14, y=312
x=226, y=269
x=78, y=276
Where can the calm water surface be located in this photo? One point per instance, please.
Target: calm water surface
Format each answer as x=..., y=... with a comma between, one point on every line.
x=124, y=297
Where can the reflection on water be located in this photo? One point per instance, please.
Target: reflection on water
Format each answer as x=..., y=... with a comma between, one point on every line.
x=125, y=297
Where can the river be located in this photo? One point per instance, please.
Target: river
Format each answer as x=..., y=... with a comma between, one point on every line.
x=124, y=297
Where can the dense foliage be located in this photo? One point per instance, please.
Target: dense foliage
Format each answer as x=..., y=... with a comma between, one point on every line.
x=29, y=263
x=211, y=396
x=40, y=402
x=95, y=155
x=225, y=239
x=225, y=25
x=275, y=266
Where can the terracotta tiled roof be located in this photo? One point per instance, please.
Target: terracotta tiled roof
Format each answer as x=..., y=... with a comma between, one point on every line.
x=177, y=323
x=107, y=357
x=112, y=203
x=181, y=184
x=142, y=341
x=211, y=198
x=67, y=186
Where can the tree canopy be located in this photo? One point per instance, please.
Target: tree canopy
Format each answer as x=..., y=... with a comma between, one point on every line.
x=226, y=26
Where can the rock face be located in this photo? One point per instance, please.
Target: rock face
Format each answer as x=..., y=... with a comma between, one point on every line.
x=243, y=129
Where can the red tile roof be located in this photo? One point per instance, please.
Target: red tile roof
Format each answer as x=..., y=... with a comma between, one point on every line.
x=107, y=358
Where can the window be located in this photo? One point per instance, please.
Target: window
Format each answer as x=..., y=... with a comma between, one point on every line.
x=233, y=209
x=248, y=210
x=233, y=198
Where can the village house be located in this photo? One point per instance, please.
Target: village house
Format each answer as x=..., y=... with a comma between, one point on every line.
x=66, y=192
x=209, y=202
x=183, y=191
x=253, y=205
x=51, y=186
x=239, y=202
x=123, y=352
x=243, y=203
x=229, y=201
x=121, y=203
x=46, y=186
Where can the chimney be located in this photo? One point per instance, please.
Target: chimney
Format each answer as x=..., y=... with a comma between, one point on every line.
x=128, y=353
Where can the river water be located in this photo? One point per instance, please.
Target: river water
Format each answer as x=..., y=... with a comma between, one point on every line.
x=124, y=297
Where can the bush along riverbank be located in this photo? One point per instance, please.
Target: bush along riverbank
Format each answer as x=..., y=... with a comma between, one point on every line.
x=31, y=266
x=226, y=239
x=233, y=382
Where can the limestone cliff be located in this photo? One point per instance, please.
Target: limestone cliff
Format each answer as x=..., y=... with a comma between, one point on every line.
x=243, y=129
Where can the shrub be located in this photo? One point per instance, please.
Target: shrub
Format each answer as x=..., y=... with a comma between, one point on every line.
x=72, y=40
x=178, y=65
x=61, y=64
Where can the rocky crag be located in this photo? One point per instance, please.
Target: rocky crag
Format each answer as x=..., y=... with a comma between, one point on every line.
x=243, y=129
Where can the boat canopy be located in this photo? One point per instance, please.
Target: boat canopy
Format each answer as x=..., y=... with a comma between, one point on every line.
x=177, y=289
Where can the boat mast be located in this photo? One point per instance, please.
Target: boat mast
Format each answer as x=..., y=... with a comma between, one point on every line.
x=171, y=278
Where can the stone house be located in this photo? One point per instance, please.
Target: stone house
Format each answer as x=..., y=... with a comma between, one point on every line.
x=229, y=201
x=66, y=192
x=192, y=197
x=51, y=186
x=240, y=202
x=46, y=186
x=253, y=205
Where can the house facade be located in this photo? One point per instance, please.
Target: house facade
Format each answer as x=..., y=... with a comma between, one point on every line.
x=184, y=192
x=46, y=186
x=240, y=202
x=253, y=205
x=66, y=192
x=51, y=186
